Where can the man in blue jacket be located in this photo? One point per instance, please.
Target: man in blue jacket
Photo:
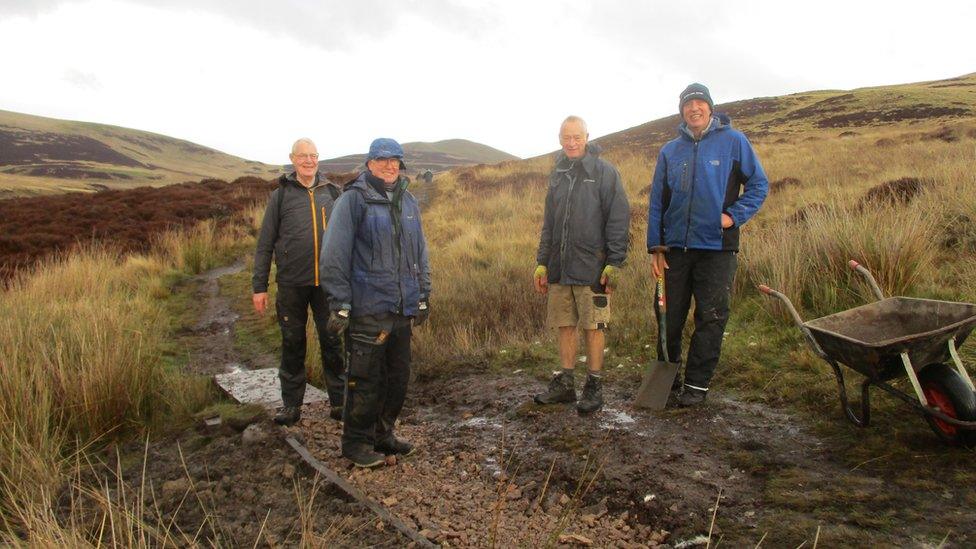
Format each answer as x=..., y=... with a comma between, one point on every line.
x=708, y=182
x=376, y=273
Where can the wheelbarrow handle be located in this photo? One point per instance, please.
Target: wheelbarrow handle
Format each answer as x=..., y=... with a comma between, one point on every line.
x=796, y=318
x=870, y=278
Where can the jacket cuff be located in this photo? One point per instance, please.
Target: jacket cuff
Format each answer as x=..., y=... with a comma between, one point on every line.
x=260, y=289
x=657, y=249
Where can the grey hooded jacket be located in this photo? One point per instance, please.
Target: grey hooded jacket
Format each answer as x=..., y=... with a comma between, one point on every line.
x=587, y=220
x=294, y=233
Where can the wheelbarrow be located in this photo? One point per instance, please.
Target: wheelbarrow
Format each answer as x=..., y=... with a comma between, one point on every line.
x=895, y=337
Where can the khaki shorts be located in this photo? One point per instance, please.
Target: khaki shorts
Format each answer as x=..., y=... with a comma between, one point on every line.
x=577, y=306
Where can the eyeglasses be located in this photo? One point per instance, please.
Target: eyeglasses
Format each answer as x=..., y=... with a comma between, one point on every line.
x=572, y=138
x=387, y=161
x=306, y=156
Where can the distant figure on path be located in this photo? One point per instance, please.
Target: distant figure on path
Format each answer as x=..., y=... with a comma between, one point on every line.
x=292, y=231
x=708, y=182
x=427, y=176
x=376, y=272
x=583, y=246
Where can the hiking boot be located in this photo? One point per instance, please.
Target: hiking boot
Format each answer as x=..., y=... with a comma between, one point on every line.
x=592, y=398
x=561, y=389
x=691, y=397
x=363, y=456
x=289, y=415
x=395, y=446
x=336, y=413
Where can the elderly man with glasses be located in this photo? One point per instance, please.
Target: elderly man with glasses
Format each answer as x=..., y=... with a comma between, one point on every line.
x=292, y=231
x=376, y=272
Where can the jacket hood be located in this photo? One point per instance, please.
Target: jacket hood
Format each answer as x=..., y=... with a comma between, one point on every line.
x=720, y=121
x=589, y=159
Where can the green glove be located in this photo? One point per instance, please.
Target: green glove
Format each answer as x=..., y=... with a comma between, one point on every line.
x=540, y=272
x=609, y=276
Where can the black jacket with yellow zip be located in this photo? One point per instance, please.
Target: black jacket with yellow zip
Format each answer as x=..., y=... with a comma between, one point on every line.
x=292, y=230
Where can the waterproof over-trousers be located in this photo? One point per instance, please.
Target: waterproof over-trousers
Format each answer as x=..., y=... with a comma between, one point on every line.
x=706, y=276
x=292, y=305
x=379, y=370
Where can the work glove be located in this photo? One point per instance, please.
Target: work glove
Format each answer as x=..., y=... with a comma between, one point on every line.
x=541, y=279
x=423, y=311
x=338, y=321
x=608, y=278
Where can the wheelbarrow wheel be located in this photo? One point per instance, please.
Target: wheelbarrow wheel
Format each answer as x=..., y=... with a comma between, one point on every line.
x=946, y=390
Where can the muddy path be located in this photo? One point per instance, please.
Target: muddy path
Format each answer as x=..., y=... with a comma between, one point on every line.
x=210, y=338
x=493, y=469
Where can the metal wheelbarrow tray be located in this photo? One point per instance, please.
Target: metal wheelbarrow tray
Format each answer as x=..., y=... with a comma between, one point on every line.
x=901, y=336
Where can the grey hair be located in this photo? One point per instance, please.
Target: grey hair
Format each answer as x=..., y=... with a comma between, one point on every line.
x=578, y=120
x=301, y=140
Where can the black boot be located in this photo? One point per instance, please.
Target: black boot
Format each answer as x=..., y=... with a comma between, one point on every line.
x=362, y=456
x=289, y=415
x=395, y=446
x=691, y=397
x=592, y=399
x=561, y=389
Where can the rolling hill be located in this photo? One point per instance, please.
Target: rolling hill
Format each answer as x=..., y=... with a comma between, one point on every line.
x=437, y=156
x=820, y=113
x=44, y=155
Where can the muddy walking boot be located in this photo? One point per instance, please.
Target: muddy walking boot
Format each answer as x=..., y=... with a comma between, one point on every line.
x=289, y=415
x=394, y=446
x=362, y=456
x=692, y=396
x=561, y=389
x=592, y=398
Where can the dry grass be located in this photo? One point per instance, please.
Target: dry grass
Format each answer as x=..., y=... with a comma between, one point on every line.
x=483, y=231
x=80, y=343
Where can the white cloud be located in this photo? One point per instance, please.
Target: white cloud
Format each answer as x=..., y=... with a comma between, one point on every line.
x=248, y=77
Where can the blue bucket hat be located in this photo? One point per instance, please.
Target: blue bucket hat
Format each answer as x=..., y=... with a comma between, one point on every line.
x=384, y=147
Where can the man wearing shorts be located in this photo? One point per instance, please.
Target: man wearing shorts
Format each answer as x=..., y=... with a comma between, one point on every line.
x=583, y=246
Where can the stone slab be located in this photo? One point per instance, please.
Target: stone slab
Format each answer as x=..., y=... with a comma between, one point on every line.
x=261, y=387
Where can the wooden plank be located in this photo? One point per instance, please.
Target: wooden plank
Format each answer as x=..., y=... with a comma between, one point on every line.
x=358, y=495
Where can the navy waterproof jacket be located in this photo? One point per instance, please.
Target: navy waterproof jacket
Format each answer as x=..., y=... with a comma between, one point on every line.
x=374, y=257
x=696, y=181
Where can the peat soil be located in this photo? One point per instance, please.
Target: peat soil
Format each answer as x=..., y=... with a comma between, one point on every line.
x=494, y=469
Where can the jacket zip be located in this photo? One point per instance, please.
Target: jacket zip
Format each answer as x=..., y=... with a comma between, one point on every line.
x=569, y=209
x=315, y=235
x=691, y=192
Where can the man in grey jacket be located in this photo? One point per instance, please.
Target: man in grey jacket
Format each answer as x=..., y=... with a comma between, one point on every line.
x=585, y=232
x=292, y=231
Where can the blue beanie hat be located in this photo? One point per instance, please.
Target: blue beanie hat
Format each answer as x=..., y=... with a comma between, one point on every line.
x=695, y=91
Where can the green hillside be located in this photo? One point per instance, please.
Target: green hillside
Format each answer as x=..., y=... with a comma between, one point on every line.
x=44, y=155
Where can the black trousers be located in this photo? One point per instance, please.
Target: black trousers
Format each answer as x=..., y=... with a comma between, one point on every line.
x=705, y=276
x=292, y=305
x=379, y=371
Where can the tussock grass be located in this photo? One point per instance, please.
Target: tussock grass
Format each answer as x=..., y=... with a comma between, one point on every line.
x=483, y=231
x=80, y=350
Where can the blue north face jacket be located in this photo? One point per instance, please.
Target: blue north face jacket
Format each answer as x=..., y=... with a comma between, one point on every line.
x=696, y=181
x=374, y=257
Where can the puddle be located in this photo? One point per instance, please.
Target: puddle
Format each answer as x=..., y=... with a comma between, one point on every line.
x=615, y=419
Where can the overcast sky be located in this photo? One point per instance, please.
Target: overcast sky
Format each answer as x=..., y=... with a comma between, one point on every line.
x=248, y=76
